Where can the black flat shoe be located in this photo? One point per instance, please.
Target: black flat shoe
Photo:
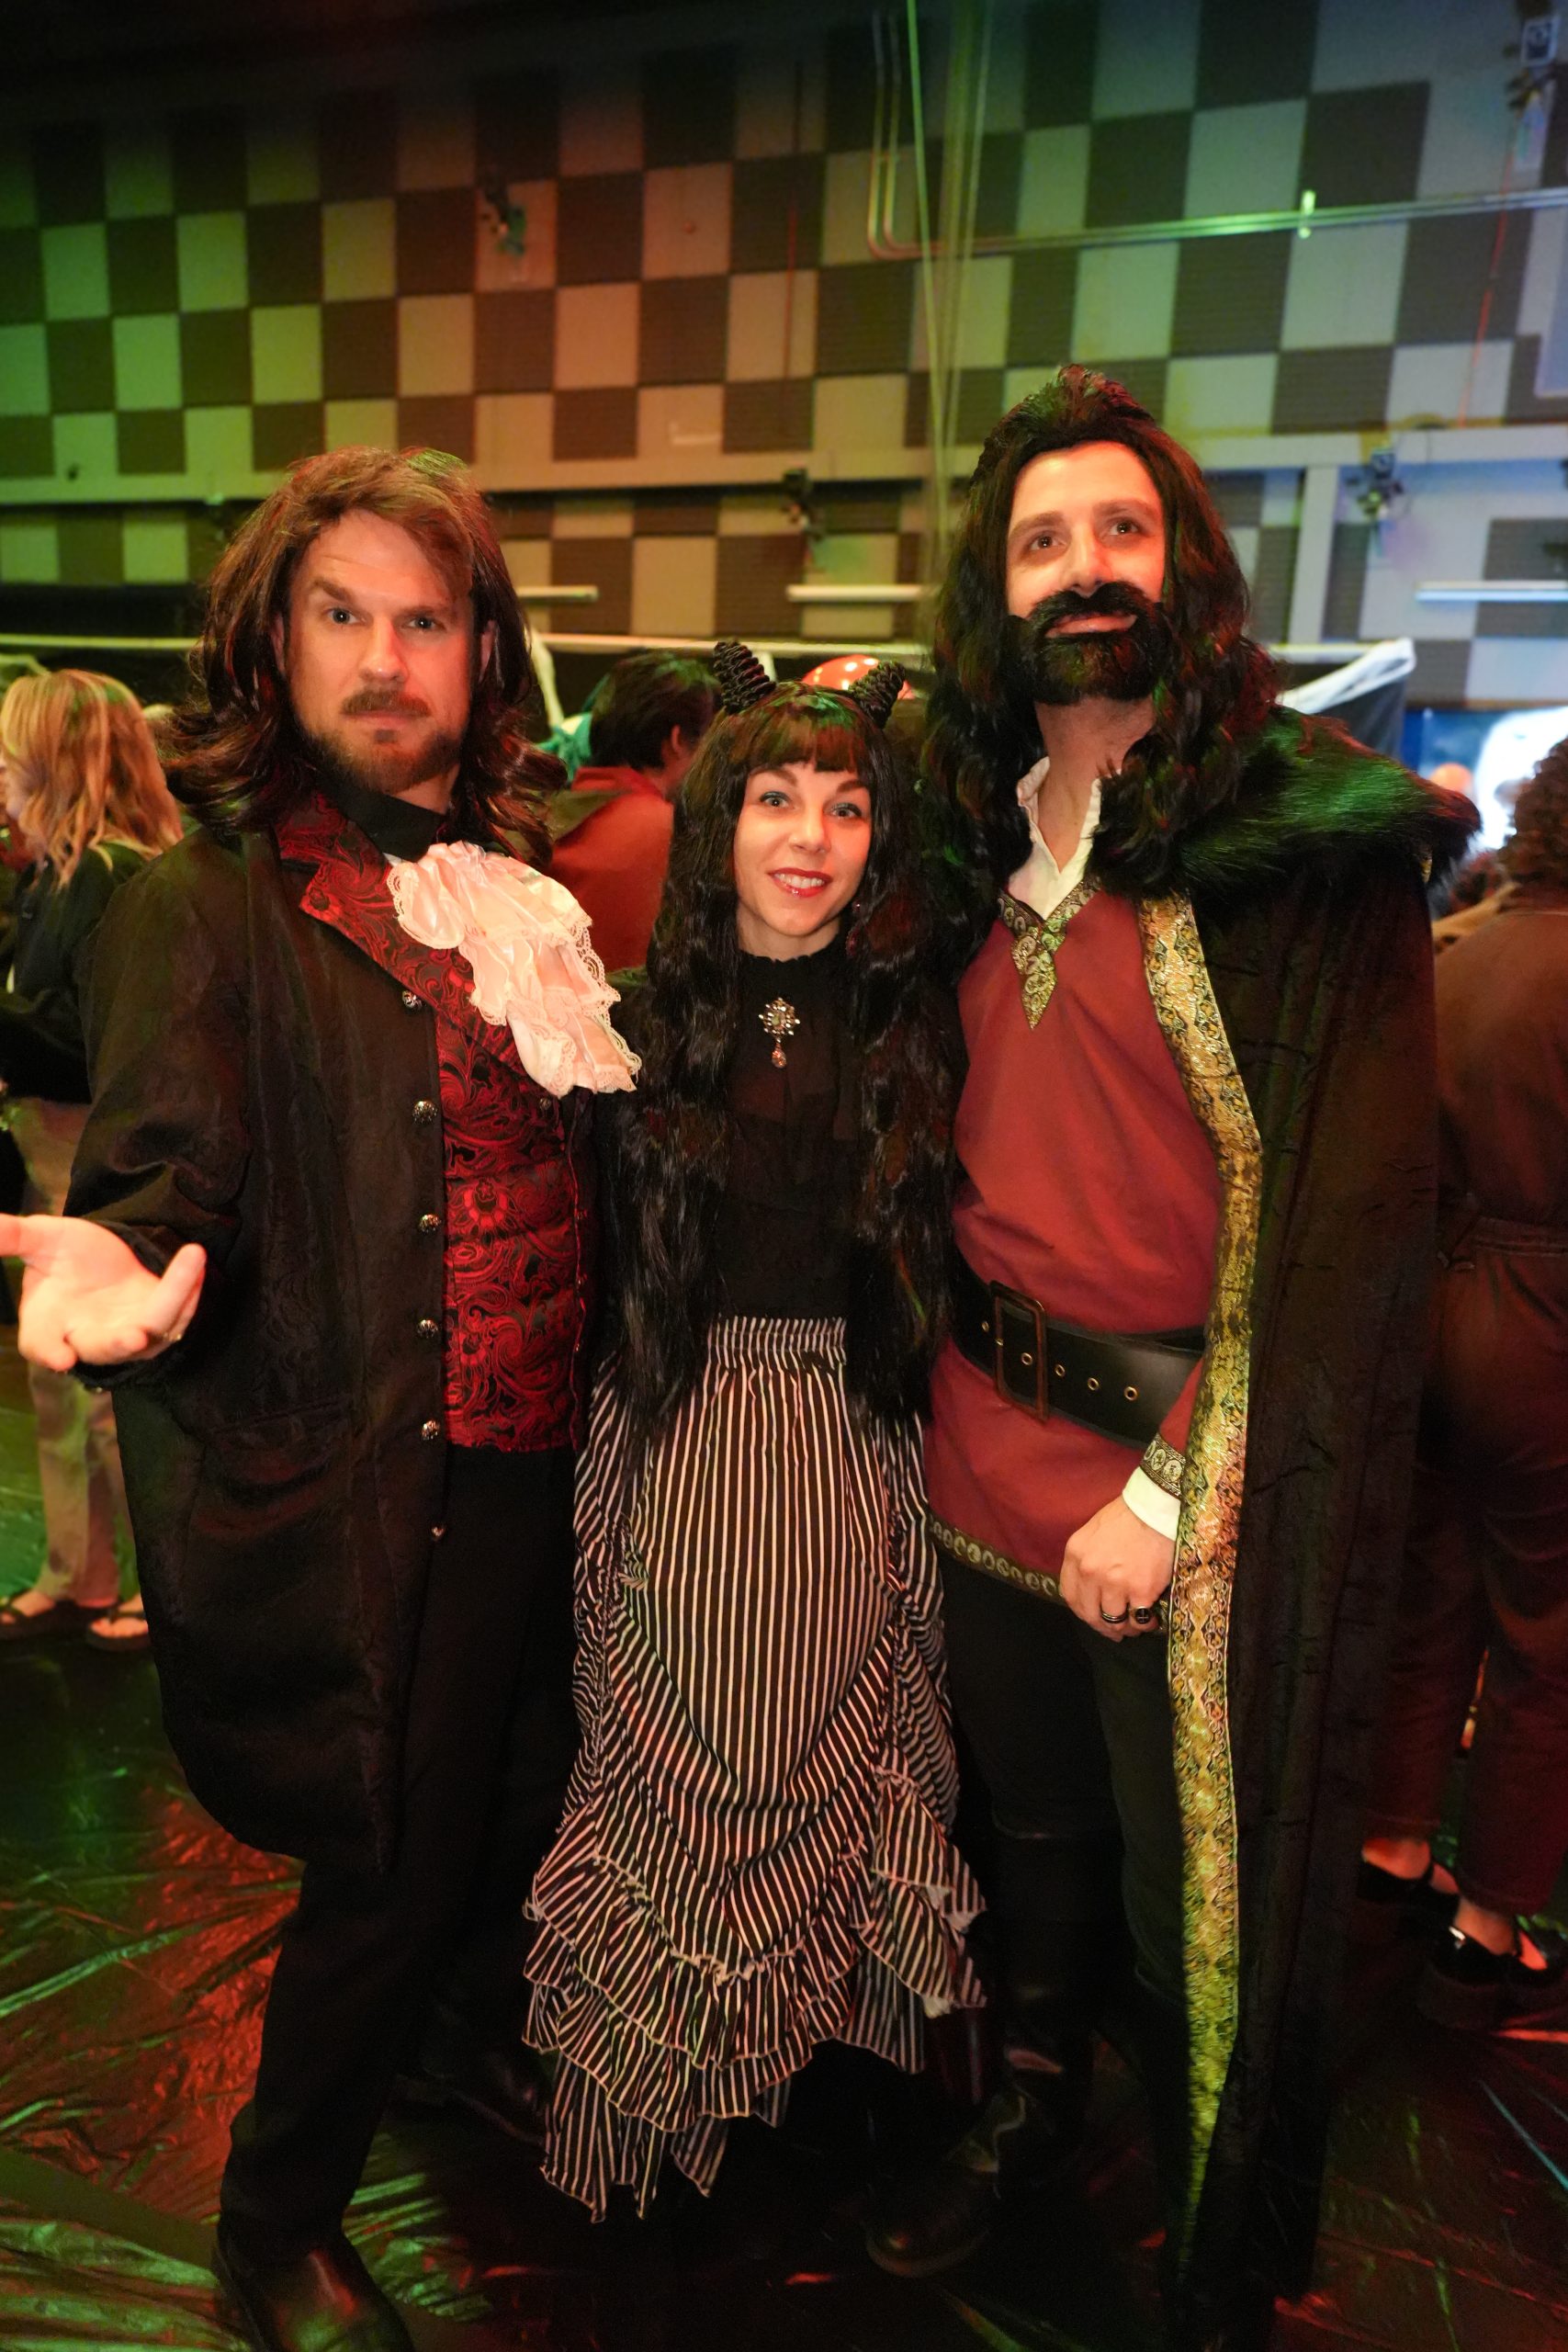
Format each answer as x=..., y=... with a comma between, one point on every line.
x=1388, y=1907
x=1467, y=1986
x=324, y=2301
x=932, y=2220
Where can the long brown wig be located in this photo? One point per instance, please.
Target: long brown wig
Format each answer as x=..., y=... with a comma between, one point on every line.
x=670, y=1142
x=984, y=734
x=235, y=753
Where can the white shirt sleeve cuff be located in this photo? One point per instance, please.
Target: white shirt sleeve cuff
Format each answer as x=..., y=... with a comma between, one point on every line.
x=1152, y=1504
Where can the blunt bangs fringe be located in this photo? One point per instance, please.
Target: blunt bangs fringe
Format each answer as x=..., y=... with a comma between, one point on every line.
x=815, y=729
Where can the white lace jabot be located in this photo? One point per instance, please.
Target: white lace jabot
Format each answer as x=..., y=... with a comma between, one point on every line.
x=525, y=940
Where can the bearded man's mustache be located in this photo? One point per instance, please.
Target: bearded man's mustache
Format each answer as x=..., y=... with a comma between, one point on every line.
x=1111, y=665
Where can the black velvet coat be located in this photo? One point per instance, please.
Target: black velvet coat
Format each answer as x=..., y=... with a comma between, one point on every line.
x=264, y=1087
x=1292, y=955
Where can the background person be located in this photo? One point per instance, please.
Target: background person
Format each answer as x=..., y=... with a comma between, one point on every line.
x=1486, y=1560
x=87, y=800
x=611, y=829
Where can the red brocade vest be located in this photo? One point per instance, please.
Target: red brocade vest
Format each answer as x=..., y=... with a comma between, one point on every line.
x=518, y=1212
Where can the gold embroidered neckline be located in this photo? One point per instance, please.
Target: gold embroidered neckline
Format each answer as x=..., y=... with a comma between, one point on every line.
x=1036, y=939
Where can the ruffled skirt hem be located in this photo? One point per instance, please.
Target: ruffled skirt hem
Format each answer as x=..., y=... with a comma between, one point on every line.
x=662, y=2048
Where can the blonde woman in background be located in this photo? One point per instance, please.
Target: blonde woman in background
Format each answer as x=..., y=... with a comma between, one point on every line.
x=85, y=799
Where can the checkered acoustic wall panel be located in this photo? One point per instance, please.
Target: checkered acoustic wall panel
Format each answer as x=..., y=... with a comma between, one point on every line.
x=651, y=272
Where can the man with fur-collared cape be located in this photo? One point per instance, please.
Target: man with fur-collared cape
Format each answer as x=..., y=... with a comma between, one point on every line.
x=1173, y=1425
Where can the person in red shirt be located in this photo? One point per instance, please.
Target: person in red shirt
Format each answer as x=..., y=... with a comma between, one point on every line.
x=1173, y=1425
x=612, y=830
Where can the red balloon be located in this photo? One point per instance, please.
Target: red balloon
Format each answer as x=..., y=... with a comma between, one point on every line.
x=840, y=672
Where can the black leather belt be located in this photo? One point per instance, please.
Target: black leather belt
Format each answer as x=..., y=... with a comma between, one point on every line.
x=1122, y=1386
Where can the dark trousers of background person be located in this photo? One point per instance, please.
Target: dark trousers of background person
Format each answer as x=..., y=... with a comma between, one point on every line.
x=1487, y=1572
x=488, y=1743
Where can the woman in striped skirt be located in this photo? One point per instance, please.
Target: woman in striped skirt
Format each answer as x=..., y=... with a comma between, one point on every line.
x=754, y=1858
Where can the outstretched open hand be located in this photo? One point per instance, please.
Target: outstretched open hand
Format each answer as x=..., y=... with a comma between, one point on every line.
x=86, y=1298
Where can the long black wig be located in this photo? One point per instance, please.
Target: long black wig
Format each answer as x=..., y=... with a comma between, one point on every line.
x=1208, y=706
x=671, y=1141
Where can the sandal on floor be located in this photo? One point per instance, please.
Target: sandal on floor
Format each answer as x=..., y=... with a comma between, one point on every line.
x=1465, y=1984
x=1388, y=1907
x=16, y=1625
x=122, y=1628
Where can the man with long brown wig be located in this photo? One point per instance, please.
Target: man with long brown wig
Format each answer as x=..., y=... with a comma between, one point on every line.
x=331, y=1239
x=1173, y=1424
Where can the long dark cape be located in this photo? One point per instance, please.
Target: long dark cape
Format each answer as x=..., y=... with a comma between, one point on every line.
x=1292, y=969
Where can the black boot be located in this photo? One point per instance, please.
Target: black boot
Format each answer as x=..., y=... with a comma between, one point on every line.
x=1159, y=2048
x=322, y=2300
x=1055, y=1929
x=489, y=2076
x=938, y=2217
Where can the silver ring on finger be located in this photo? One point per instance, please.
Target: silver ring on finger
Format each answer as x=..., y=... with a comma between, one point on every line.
x=1115, y=1621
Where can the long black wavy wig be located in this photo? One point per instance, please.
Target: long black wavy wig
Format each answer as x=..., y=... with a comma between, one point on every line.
x=671, y=1141
x=982, y=733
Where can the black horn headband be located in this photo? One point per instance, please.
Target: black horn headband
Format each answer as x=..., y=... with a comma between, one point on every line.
x=742, y=681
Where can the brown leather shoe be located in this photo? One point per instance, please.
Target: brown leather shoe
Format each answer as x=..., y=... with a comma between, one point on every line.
x=324, y=2301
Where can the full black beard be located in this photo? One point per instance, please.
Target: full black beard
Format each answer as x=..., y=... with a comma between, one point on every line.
x=1121, y=666
x=334, y=764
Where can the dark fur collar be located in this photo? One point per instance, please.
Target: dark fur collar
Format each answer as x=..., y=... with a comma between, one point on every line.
x=1310, y=796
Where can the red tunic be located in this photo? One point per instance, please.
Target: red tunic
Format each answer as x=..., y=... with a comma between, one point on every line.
x=1088, y=1184
x=614, y=862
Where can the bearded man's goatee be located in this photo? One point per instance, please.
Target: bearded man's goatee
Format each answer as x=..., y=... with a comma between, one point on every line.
x=1102, y=665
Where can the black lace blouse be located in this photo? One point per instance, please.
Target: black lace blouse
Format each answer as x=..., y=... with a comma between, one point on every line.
x=782, y=1239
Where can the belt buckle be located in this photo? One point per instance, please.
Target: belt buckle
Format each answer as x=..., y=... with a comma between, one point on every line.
x=1018, y=1332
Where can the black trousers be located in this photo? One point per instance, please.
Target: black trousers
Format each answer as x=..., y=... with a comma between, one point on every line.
x=1071, y=1735
x=488, y=1743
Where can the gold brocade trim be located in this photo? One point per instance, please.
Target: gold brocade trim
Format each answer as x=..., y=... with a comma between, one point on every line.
x=1035, y=940
x=1162, y=1462
x=1199, y=1598
x=991, y=1564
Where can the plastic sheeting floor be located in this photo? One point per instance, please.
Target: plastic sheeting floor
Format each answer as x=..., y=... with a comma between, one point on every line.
x=134, y=1948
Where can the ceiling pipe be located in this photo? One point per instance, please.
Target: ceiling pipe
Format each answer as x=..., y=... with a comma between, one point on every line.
x=1304, y=218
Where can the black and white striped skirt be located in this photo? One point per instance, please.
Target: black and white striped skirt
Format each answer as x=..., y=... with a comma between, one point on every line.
x=754, y=1856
